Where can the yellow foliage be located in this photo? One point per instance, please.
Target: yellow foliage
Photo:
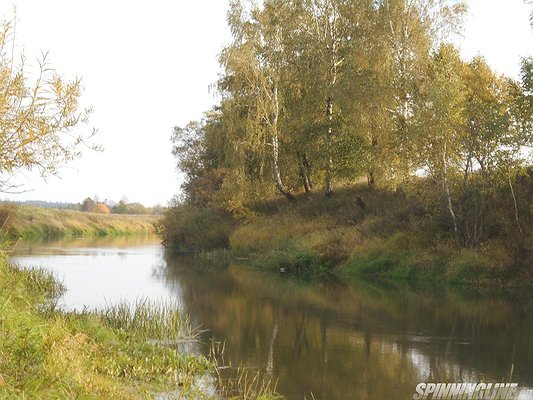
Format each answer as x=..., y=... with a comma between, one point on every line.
x=102, y=209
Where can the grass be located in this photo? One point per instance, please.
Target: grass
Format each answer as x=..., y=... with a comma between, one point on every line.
x=377, y=233
x=242, y=383
x=158, y=321
x=394, y=235
x=46, y=353
x=125, y=351
x=28, y=222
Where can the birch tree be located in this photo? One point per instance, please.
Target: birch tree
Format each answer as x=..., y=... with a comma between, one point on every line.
x=321, y=21
x=471, y=139
x=441, y=121
x=412, y=29
x=253, y=82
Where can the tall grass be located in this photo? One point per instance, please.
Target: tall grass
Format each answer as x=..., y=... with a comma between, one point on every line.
x=241, y=383
x=122, y=351
x=404, y=234
x=248, y=384
x=46, y=353
x=162, y=321
x=34, y=222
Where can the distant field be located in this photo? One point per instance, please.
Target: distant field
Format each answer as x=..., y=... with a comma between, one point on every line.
x=33, y=222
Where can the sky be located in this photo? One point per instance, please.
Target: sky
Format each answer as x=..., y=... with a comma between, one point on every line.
x=147, y=66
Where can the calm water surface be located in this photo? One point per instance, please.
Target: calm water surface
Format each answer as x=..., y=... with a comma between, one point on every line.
x=334, y=341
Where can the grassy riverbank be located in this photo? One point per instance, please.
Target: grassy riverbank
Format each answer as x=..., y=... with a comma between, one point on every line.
x=33, y=222
x=121, y=352
x=403, y=234
x=49, y=354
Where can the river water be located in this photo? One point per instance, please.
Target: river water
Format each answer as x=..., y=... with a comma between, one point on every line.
x=318, y=340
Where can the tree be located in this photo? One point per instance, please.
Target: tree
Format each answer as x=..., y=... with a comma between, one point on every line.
x=524, y=100
x=121, y=208
x=470, y=139
x=199, y=157
x=253, y=81
x=322, y=22
x=102, y=208
x=88, y=205
x=38, y=121
x=318, y=90
x=441, y=120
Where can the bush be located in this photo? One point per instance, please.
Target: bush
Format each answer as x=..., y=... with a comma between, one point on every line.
x=102, y=209
x=187, y=228
x=6, y=212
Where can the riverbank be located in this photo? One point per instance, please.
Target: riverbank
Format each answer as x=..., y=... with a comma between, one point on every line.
x=376, y=233
x=28, y=222
x=46, y=353
x=121, y=352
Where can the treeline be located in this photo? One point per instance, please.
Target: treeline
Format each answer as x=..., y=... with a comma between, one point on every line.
x=122, y=207
x=94, y=206
x=322, y=94
x=43, y=204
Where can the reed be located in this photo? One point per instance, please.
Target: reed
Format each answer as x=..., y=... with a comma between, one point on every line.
x=161, y=321
x=243, y=382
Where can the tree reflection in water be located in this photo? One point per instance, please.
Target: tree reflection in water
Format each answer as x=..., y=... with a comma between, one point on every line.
x=363, y=340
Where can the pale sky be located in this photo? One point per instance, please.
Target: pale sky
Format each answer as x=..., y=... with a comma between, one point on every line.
x=147, y=66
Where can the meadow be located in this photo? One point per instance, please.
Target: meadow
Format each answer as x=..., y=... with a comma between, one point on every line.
x=28, y=222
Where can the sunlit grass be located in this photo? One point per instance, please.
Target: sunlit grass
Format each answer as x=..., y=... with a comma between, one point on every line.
x=161, y=321
x=34, y=222
x=122, y=351
x=373, y=233
x=46, y=353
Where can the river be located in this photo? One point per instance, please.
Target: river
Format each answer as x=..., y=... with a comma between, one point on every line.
x=321, y=340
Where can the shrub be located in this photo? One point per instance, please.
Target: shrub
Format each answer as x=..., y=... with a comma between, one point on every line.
x=101, y=209
x=187, y=228
x=6, y=212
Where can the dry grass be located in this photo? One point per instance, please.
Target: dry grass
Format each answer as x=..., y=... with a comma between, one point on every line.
x=33, y=222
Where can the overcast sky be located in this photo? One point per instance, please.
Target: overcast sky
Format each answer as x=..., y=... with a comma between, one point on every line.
x=147, y=66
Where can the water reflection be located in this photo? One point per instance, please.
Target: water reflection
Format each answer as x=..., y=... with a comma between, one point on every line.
x=100, y=271
x=337, y=341
x=85, y=245
x=363, y=341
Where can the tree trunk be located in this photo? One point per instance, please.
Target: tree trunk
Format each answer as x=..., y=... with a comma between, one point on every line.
x=447, y=191
x=275, y=150
x=515, y=206
x=304, y=169
x=371, y=180
x=277, y=173
x=371, y=175
x=329, y=165
x=307, y=169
